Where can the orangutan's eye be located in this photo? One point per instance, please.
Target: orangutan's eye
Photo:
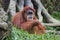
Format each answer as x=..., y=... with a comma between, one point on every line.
x=30, y=13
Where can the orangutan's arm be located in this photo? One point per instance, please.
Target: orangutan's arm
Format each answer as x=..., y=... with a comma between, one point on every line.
x=27, y=25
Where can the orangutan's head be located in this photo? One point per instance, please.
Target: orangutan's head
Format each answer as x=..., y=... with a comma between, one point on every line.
x=28, y=13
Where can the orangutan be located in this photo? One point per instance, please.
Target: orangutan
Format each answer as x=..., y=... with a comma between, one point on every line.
x=27, y=20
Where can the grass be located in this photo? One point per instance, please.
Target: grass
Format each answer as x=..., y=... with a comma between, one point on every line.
x=18, y=34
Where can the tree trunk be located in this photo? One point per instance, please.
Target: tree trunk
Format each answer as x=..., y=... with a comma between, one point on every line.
x=47, y=15
x=5, y=26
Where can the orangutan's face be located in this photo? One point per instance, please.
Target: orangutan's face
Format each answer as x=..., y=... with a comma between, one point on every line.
x=29, y=15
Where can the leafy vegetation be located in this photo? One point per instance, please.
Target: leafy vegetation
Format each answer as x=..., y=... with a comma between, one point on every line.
x=56, y=15
x=18, y=34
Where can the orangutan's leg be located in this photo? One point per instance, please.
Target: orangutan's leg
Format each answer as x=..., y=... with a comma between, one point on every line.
x=36, y=30
x=41, y=28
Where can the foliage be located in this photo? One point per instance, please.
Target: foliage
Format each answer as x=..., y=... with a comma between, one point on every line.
x=56, y=15
x=18, y=34
x=51, y=5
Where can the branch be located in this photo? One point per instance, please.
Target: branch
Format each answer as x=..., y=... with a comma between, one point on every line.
x=39, y=10
x=51, y=24
x=5, y=35
x=47, y=15
x=53, y=31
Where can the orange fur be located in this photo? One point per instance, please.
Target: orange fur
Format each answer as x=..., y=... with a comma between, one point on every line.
x=31, y=26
